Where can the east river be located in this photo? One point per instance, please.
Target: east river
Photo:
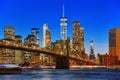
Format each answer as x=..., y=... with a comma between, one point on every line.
x=83, y=74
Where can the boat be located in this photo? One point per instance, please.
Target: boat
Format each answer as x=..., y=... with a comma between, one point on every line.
x=10, y=69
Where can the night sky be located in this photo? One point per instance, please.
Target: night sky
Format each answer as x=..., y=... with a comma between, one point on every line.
x=97, y=17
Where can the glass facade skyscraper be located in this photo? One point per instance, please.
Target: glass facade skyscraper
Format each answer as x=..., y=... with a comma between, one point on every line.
x=45, y=28
x=35, y=32
x=63, y=26
x=78, y=39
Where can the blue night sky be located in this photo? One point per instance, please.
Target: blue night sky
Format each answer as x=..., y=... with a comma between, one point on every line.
x=96, y=17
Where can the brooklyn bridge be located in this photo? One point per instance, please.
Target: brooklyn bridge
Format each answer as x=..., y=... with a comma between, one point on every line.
x=62, y=61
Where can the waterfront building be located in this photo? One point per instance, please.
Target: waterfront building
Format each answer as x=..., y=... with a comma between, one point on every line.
x=78, y=40
x=63, y=26
x=107, y=59
x=114, y=42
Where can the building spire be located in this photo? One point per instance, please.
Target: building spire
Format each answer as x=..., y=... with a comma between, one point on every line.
x=63, y=11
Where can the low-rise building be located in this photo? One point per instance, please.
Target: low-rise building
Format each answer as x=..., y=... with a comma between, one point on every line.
x=106, y=59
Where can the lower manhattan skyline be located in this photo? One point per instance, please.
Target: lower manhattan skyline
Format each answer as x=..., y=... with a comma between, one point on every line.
x=96, y=17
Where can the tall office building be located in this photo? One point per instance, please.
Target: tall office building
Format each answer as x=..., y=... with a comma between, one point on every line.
x=9, y=38
x=45, y=28
x=82, y=38
x=46, y=43
x=42, y=56
x=63, y=26
x=35, y=56
x=48, y=39
x=35, y=32
x=78, y=39
x=9, y=34
x=114, y=42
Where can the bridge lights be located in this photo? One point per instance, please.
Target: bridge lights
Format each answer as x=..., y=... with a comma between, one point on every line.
x=16, y=45
x=6, y=44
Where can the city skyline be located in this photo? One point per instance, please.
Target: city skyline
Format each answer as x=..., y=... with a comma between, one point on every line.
x=103, y=15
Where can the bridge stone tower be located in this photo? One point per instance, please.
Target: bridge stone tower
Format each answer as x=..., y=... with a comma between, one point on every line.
x=62, y=62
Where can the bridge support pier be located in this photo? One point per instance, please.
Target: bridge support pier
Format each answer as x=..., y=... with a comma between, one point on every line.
x=62, y=62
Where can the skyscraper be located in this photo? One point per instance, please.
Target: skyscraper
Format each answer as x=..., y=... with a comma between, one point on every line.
x=82, y=38
x=9, y=38
x=48, y=39
x=9, y=34
x=35, y=32
x=45, y=28
x=78, y=39
x=45, y=42
x=63, y=26
x=114, y=42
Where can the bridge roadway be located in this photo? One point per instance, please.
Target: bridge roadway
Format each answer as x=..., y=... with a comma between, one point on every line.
x=42, y=51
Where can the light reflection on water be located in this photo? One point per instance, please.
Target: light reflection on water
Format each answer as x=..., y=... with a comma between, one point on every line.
x=64, y=75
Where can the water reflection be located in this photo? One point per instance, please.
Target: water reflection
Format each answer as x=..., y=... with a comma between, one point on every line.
x=64, y=75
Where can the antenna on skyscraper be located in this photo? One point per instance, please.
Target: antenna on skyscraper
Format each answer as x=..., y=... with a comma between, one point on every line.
x=63, y=11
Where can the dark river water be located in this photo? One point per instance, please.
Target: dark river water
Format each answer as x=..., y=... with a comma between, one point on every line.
x=103, y=74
